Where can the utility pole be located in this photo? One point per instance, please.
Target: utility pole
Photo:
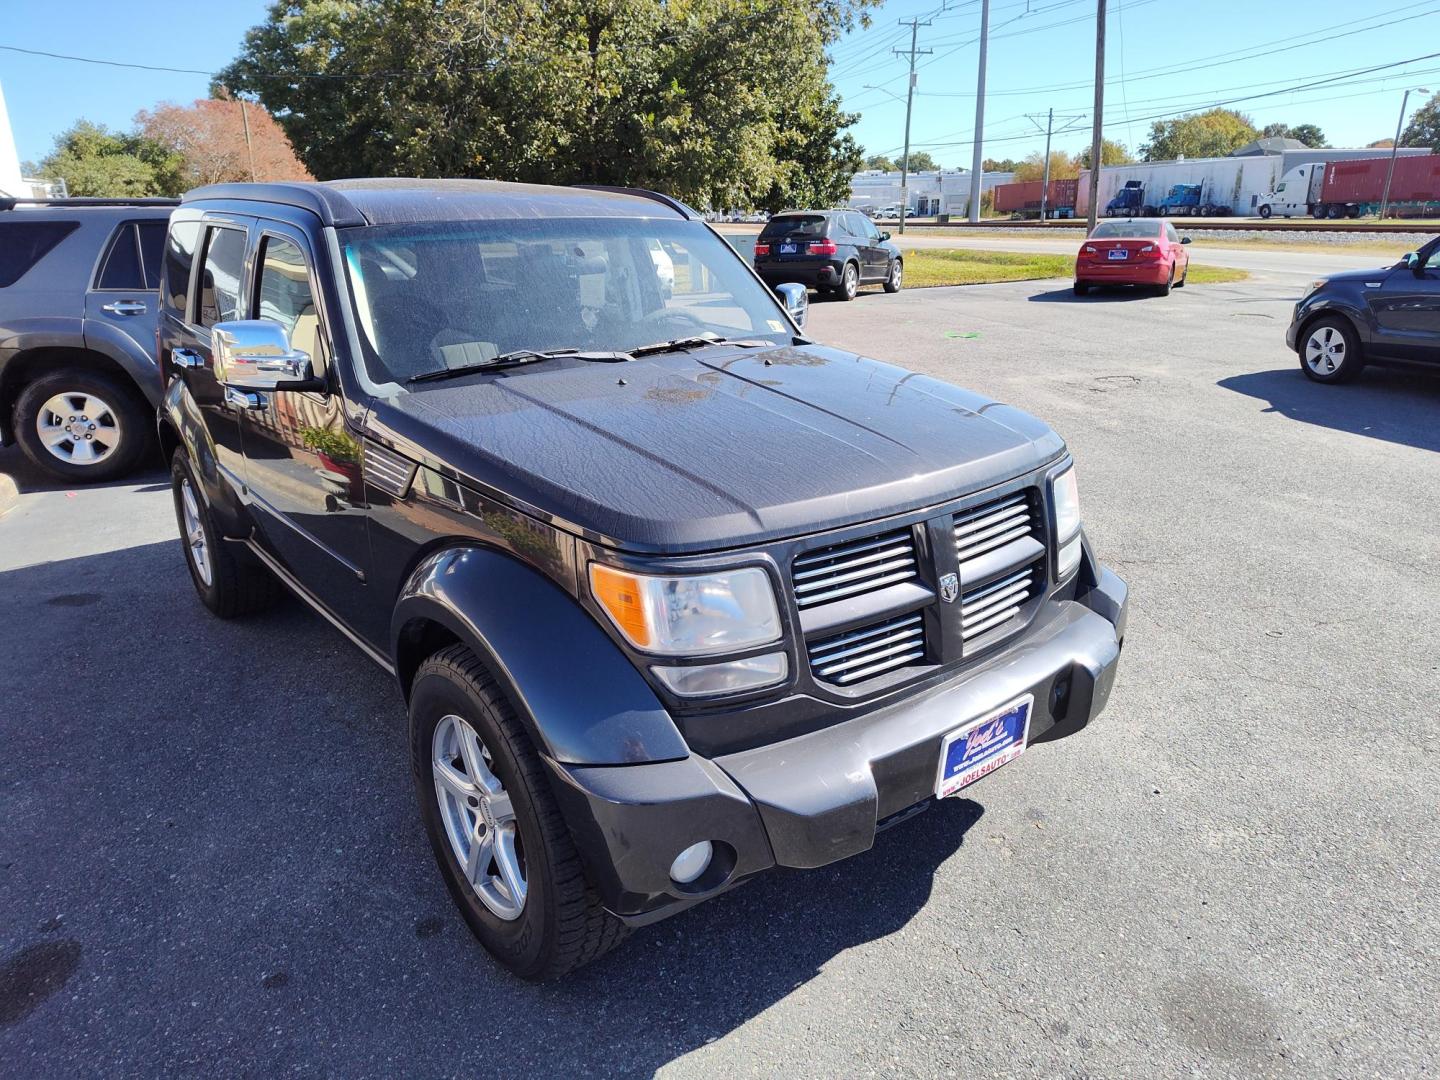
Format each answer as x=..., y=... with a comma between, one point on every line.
x=1073, y=119
x=977, y=159
x=1395, y=149
x=249, y=150
x=1096, y=142
x=913, y=52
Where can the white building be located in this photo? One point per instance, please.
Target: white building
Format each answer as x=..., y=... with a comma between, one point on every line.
x=937, y=192
x=11, y=182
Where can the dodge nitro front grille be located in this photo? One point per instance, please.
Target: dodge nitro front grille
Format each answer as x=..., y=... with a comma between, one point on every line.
x=869, y=651
x=989, y=606
x=853, y=568
x=980, y=530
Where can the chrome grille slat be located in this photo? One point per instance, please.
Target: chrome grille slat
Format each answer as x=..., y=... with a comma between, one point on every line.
x=869, y=650
x=992, y=525
x=989, y=606
x=860, y=566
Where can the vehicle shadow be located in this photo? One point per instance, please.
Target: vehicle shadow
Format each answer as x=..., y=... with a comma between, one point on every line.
x=1098, y=294
x=214, y=849
x=28, y=478
x=1394, y=403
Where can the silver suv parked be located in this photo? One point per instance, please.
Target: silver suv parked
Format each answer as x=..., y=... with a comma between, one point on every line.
x=79, y=285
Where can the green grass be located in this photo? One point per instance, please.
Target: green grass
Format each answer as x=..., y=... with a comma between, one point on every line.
x=926, y=268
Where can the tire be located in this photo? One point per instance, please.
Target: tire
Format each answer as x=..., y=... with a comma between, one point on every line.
x=1164, y=290
x=1318, y=211
x=1336, y=356
x=227, y=578
x=895, y=279
x=1184, y=277
x=559, y=923
x=1335, y=212
x=1082, y=288
x=83, y=426
x=1352, y=211
x=1265, y=210
x=849, y=282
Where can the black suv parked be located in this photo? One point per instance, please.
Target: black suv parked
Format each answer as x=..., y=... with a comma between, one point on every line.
x=1391, y=313
x=833, y=251
x=674, y=595
x=78, y=287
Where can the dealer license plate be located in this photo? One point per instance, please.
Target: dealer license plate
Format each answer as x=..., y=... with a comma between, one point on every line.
x=982, y=746
x=1119, y=253
x=788, y=249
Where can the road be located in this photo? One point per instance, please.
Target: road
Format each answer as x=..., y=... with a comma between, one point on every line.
x=211, y=863
x=1265, y=264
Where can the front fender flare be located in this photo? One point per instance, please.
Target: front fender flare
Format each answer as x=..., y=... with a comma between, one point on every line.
x=584, y=700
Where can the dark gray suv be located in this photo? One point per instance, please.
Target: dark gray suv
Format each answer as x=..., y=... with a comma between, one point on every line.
x=79, y=280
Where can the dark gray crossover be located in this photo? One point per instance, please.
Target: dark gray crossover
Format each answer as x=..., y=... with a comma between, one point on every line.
x=832, y=251
x=79, y=280
x=674, y=594
x=1390, y=313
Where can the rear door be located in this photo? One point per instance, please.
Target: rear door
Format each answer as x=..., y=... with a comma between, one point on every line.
x=122, y=304
x=1406, y=308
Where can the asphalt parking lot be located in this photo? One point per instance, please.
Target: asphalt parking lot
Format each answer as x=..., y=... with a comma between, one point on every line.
x=211, y=863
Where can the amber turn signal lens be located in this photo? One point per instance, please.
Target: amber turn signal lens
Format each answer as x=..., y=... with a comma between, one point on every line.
x=619, y=594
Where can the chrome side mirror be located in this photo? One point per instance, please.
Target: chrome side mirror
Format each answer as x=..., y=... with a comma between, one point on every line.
x=796, y=299
x=255, y=355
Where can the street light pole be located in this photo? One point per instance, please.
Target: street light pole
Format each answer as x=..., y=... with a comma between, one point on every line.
x=1045, y=183
x=1096, y=142
x=915, y=25
x=1395, y=148
x=977, y=158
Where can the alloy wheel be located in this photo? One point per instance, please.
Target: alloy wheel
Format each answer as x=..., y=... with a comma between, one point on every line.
x=78, y=428
x=479, y=818
x=896, y=273
x=1325, y=350
x=195, y=542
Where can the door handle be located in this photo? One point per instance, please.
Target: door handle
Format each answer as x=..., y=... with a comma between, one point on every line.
x=185, y=359
x=247, y=400
x=125, y=307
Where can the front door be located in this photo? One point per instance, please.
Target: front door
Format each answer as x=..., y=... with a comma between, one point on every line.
x=302, y=458
x=872, y=252
x=1406, y=308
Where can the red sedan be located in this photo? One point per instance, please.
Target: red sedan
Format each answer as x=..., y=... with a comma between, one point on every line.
x=1144, y=252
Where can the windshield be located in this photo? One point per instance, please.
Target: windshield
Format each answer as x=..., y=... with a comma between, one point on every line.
x=1126, y=230
x=457, y=294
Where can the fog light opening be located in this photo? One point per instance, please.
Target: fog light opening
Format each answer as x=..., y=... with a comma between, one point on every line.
x=691, y=863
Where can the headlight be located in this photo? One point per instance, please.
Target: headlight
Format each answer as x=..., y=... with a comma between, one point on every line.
x=689, y=615
x=1066, y=497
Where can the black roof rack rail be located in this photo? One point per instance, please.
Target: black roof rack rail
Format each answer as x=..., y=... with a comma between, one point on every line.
x=644, y=193
x=9, y=202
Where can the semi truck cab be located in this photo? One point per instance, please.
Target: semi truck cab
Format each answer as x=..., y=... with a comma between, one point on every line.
x=1296, y=194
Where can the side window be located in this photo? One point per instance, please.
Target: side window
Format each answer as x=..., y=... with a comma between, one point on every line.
x=1171, y=234
x=282, y=293
x=220, y=274
x=122, y=264
x=152, y=248
x=25, y=243
x=179, y=256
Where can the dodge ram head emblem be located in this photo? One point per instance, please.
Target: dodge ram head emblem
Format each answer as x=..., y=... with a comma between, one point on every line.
x=949, y=587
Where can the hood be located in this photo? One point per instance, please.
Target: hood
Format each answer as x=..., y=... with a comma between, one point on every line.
x=1362, y=276
x=720, y=447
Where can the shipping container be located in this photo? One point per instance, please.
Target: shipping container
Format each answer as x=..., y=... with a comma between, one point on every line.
x=1024, y=197
x=1357, y=187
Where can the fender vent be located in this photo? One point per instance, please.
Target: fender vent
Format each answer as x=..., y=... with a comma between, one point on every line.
x=387, y=470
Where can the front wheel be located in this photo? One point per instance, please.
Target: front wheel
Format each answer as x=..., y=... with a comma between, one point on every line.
x=228, y=580
x=82, y=426
x=893, y=280
x=1330, y=351
x=496, y=831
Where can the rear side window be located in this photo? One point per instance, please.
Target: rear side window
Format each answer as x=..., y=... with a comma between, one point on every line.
x=220, y=276
x=122, y=263
x=25, y=243
x=152, y=248
x=179, y=256
x=802, y=225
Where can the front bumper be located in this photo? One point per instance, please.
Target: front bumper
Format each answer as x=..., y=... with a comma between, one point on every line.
x=811, y=800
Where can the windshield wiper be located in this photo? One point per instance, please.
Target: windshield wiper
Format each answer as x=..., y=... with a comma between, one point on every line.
x=695, y=342
x=515, y=358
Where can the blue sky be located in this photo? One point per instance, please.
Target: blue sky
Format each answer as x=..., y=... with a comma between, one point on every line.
x=1164, y=56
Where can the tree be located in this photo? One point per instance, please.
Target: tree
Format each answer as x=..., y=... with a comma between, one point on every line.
x=636, y=92
x=994, y=165
x=1424, y=126
x=93, y=160
x=1062, y=167
x=880, y=162
x=210, y=138
x=1308, y=134
x=920, y=161
x=1380, y=144
x=1111, y=153
x=1213, y=133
